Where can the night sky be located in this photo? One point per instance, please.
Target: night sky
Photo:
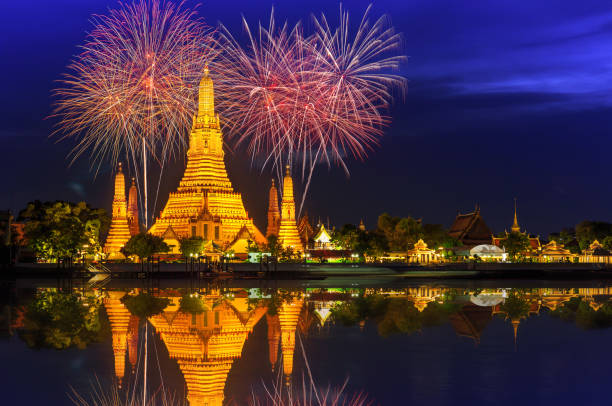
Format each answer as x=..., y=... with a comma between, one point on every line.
x=502, y=102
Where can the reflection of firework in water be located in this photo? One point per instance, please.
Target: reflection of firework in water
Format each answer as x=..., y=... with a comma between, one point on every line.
x=301, y=100
x=132, y=88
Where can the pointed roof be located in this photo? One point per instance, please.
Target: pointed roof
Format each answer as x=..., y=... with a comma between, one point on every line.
x=170, y=234
x=322, y=234
x=470, y=229
x=515, y=226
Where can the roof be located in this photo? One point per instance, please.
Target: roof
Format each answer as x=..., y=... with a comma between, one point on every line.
x=322, y=234
x=470, y=229
x=471, y=321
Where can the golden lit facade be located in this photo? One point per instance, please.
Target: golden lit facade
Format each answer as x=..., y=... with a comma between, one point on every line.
x=273, y=212
x=119, y=232
x=289, y=315
x=205, y=203
x=119, y=318
x=132, y=209
x=205, y=345
x=288, y=233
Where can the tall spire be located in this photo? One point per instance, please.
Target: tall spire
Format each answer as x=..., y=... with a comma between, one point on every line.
x=132, y=211
x=273, y=212
x=206, y=101
x=119, y=232
x=288, y=233
x=515, y=226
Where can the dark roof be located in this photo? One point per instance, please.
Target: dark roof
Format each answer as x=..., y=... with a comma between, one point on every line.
x=470, y=321
x=470, y=229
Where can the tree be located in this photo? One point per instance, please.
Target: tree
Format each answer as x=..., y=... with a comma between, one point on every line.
x=63, y=320
x=401, y=233
x=144, y=245
x=144, y=305
x=274, y=247
x=63, y=229
x=589, y=231
x=515, y=244
x=607, y=242
x=192, y=246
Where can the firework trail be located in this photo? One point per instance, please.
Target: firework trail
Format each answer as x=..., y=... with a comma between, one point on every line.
x=131, y=90
x=303, y=99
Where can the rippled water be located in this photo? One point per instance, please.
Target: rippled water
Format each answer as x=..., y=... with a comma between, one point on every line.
x=448, y=343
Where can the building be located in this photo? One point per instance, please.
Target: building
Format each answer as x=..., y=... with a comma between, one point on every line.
x=470, y=229
x=119, y=232
x=596, y=253
x=534, y=241
x=323, y=239
x=132, y=210
x=555, y=252
x=205, y=203
x=288, y=234
x=488, y=252
x=273, y=212
x=306, y=231
x=421, y=253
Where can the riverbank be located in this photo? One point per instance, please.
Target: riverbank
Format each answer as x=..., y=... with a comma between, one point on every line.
x=282, y=271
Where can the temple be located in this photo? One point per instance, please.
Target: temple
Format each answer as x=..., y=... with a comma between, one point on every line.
x=205, y=203
x=119, y=319
x=205, y=345
x=289, y=315
x=273, y=212
x=470, y=229
x=132, y=209
x=288, y=233
x=119, y=232
x=534, y=241
x=306, y=231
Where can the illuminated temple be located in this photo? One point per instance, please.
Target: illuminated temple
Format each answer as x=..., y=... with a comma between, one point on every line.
x=205, y=203
x=288, y=233
x=205, y=345
x=119, y=232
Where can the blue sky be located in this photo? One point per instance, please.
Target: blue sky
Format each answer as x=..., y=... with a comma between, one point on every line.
x=505, y=99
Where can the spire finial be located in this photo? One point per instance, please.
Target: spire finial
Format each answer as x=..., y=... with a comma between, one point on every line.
x=287, y=170
x=273, y=182
x=133, y=181
x=120, y=168
x=515, y=226
x=206, y=69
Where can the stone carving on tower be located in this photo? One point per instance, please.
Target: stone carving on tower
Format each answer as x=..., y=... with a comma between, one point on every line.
x=288, y=234
x=205, y=203
x=119, y=232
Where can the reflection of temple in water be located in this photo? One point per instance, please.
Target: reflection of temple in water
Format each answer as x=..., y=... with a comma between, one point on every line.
x=205, y=345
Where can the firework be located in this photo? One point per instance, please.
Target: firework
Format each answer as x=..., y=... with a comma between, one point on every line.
x=302, y=100
x=131, y=89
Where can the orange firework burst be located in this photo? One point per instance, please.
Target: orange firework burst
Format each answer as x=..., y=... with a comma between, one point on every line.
x=132, y=87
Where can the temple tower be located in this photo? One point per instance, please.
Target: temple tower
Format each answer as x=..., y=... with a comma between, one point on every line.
x=132, y=211
x=273, y=212
x=132, y=341
x=289, y=315
x=205, y=345
x=274, y=335
x=205, y=203
x=119, y=232
x=515, y=226
x=288, y=233
x=119, y=318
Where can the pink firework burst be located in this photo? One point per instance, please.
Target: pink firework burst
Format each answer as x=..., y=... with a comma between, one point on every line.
x=305, y=99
